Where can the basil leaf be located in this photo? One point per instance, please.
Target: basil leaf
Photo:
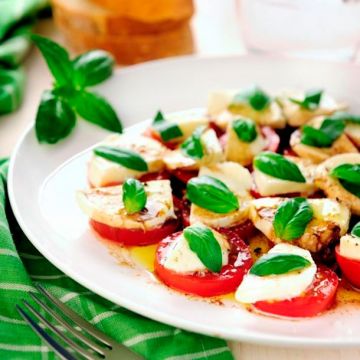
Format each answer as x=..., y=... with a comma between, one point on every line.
x=245, y=130
x=347, y=172
x=95, y=109
x=351, y=187
x=311, y=100
x=192, y=146
x=278, y=166
x=92, y=67
x=57, y=59
x=277, y=264
x=325, y=136
x=134, y=196
x=291, y=218
x=253, y=96
x=203, y=243
x=356, y=230
x=346, y=117
x=55, y=118
x=211, y=194
x=126, y=158
x=159, y=117
x=11, y=89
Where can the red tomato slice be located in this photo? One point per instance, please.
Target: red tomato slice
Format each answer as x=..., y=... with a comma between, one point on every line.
x=272, y=137
x=206, y=284
x=218, y=130
x=162, y=175
x=130, y=237
x=316, y=299
x=185, y=175
x=349, y=267
x=243, y=231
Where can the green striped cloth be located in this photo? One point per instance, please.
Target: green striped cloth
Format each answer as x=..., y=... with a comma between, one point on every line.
x=21, y=265
x=16, y=20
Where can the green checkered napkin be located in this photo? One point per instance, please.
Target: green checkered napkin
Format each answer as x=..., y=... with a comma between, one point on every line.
x=21, y=266
x=16, y=20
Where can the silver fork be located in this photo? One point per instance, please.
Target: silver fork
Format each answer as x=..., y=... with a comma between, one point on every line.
x=104, y=348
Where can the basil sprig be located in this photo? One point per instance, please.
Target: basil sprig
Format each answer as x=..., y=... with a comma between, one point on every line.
x=349, y=177
x=278, y=166
x=203, y=243
x=253, y=96
x=71, y=79
x=167, y=130
x=356, y=230
x=291, y=218
x=278, y=264
x=126, y=158
x=192, y=146
x=245, y=130
x=346, y=117
x=311, y=99
x=134, y=196
x=325, y=136
x=211, y=194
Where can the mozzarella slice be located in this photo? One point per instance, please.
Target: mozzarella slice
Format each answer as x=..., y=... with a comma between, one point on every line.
x=182, y=259
x=105, y=205
x=268, y=185
x=353, y=132
x=241, y=151
x=350, y=246
x=219, y=100
x=277, y=287
x=102, y=172
x=239, y=181
x=330, y=221
x=213, y=153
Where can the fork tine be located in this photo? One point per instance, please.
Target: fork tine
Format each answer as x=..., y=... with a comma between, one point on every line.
x=85, y=325
x=76, y=347
x=67, y=326
x=59, y=350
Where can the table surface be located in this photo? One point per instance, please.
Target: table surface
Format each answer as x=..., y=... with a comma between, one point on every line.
x=216, y=31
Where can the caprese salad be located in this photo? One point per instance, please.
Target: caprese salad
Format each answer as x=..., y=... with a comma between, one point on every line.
x=259, y=196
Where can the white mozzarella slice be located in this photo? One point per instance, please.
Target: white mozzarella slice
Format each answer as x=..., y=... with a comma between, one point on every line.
x=350, y=246
x=102, y=172
x=277, y=287
x=105, y=205
x=182, y=259
x=268, y=185
x=218, y=101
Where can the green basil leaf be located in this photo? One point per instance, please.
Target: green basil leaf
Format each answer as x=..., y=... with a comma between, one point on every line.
x=95, y=109
x=277, y=264
x=134, y=196
x=356, y=230
x=126, y=158
x=203, y=243
x=192, y=146
x=57, y=59
x=278, y=166
x=291, y=218
x=311, y=100
x=325, y=136
x=346, y=117
x=212, y=194
x=351, y=187
x=253, y=96
x=11, y=89
x=92, y=67
x=245, y=130
x=347, y=172
x=159, y=117
x=55, y=119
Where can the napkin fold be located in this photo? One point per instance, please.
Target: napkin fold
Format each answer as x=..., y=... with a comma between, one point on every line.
x=16, y=21
x=21, y=266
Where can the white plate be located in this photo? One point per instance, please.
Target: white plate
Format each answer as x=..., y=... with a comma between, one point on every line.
x=44, y=204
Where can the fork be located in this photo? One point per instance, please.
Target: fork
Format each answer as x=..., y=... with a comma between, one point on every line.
x=104, y=348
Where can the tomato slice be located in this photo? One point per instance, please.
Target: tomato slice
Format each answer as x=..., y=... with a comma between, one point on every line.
x=185, y=175
x=316, y=299
x=243, y=231
x=131, y=237
x=162, y=175
x=349, y=267
x=206, y=283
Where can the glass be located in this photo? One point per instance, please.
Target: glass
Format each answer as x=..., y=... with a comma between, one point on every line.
x=328, y=29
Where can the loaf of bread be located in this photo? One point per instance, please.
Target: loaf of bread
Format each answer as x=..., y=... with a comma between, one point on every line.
x=135, y=48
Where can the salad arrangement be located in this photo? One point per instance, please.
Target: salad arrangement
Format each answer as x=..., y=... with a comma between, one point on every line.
x=259, y=197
